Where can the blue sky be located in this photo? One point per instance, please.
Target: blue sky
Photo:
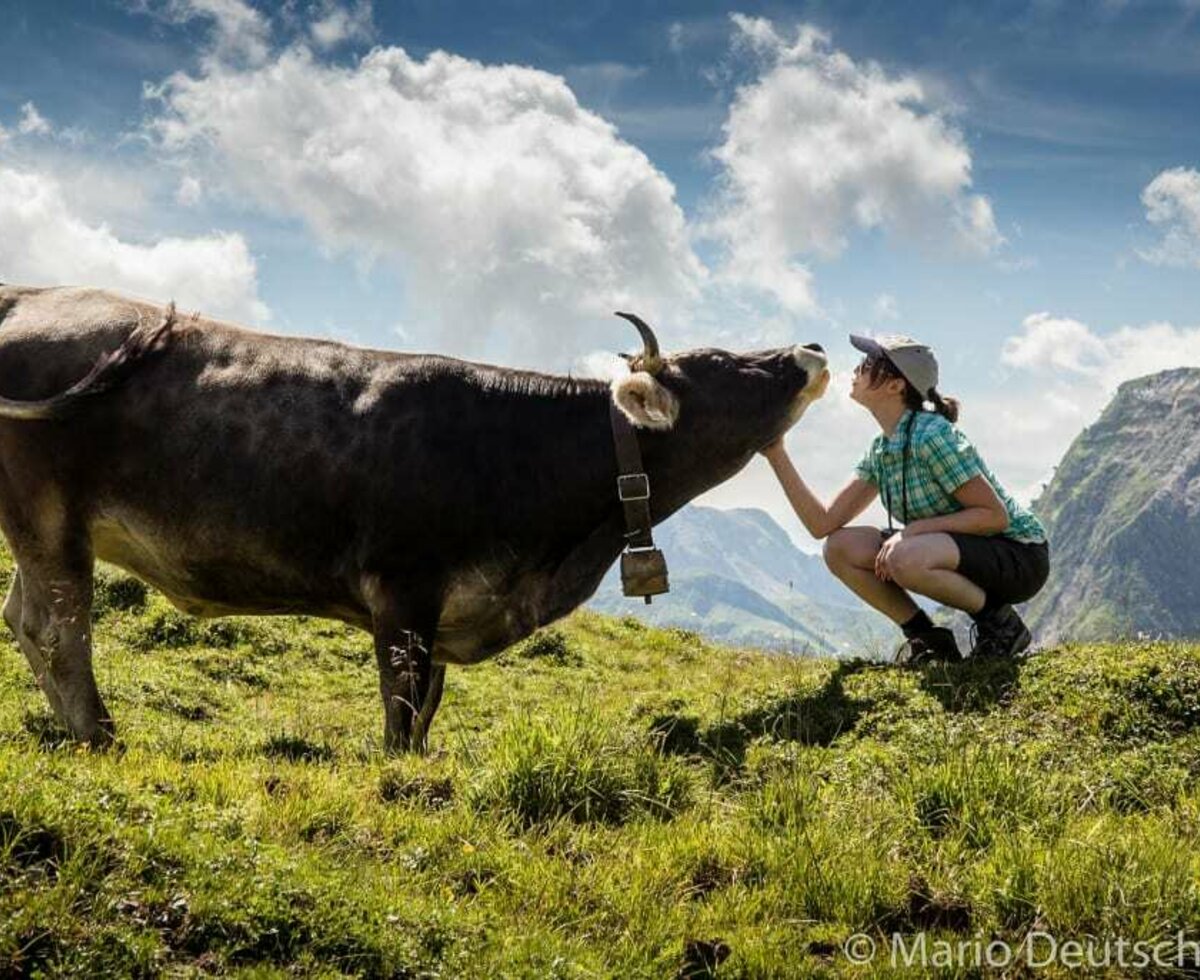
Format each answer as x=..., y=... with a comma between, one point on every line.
x=1015, y=183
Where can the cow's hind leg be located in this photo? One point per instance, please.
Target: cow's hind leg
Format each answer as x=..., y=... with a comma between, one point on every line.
x=405, y=672
x=429, y=706
x=403, y=640
x=49, y=608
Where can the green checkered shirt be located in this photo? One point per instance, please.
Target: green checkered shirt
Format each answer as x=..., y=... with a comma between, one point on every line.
x=941, y=459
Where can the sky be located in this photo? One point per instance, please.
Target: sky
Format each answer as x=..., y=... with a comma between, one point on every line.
x=1015, y=184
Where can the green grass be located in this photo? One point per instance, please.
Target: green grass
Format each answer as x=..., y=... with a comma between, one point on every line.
x=602, y=800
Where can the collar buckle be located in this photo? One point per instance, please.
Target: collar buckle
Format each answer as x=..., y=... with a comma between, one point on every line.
x=633, y=486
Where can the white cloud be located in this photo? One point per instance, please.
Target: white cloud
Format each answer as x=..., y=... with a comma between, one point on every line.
x=1059, y=346
x=675, y=37
x=1172, y=202
x=239, y=32
x=190, y=191
x=885, y=307
x=601, y=364
x=819, y=146
x=44, y=241
x=33, y=123
x=339, y=25
x=598, y=81
x=4, y=136
x=1056, y=343
x=1066, y=375
x=506, y=205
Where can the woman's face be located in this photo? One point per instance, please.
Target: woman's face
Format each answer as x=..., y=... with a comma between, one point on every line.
x=862, y=392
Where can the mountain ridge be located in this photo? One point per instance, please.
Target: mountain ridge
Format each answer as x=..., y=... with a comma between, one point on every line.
x=1123, y=516
x=737, y=577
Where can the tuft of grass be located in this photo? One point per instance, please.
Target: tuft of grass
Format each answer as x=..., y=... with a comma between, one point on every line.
x=115, y=591
x=296, y=748
x=550, y=644
x=575, y=765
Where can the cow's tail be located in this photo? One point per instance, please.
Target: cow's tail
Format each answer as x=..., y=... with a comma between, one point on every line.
x=108, y=372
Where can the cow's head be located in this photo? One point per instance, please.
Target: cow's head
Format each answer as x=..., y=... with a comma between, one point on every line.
x=715, y=407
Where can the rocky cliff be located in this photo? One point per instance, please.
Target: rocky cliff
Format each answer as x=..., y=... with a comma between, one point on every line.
x=1123, y=515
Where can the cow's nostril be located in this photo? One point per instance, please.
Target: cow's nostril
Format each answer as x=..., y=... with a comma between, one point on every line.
x=817, y=347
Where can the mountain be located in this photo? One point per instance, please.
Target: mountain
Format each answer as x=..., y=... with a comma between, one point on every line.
x=737, y=578
x=1123, y=516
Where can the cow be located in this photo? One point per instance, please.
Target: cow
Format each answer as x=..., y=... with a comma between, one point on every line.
x=450, y=508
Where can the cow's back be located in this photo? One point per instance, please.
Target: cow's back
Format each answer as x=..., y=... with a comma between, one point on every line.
x=240, y=471
x=50, y=338
x=227, y=470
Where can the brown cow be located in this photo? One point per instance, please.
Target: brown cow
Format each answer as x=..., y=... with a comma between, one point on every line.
x=450, y=508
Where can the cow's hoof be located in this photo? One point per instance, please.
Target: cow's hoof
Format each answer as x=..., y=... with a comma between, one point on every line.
x=101, y=738
x=405, y=746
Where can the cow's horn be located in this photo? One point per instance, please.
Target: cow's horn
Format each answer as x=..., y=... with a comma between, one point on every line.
x=651, y=359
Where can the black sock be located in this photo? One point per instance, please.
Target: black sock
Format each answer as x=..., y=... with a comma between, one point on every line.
x=920, y=623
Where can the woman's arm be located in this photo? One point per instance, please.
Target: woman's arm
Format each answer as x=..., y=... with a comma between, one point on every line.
x=819, y=520
x=983, y=512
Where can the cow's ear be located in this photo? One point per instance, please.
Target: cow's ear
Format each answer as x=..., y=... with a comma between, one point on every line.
x=645, y=402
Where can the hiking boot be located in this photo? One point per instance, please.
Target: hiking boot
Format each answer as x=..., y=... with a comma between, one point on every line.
x=1001, y=634
x=928, y=647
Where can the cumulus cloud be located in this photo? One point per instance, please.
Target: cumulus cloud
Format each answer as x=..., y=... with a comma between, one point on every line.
x=1172, y=202
x=1066, y=374
x=336, y=24
x=1048, y=342
x=44, y=241
x=239, y=32
x=33, y=123
x=1059, y=346
x=819, y=146
x=505, y=204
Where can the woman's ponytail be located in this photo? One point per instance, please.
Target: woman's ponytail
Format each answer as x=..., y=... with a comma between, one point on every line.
x=945, y=406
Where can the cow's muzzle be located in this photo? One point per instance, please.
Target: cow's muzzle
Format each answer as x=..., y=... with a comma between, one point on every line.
x=812, y=360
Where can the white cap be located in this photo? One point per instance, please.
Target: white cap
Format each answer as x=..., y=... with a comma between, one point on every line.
x=914, y=360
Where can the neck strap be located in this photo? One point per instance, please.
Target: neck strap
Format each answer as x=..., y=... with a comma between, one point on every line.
x=903, y=475
x=633, y=485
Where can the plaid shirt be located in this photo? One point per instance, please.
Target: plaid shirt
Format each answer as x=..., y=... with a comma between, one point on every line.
x=940, y=460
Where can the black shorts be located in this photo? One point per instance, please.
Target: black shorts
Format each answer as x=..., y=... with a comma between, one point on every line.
x=1007, y=570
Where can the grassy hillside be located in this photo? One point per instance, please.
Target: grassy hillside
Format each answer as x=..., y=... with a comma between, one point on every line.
x=607, y=800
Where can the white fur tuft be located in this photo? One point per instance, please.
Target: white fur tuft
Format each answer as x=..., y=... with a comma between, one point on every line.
x=645, y=402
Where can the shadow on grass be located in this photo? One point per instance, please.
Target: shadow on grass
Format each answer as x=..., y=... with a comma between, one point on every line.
x=810, y=717
x=296, y=748
x=46, y=731
x=818, y=716
x=973, y=686
x=50, y=736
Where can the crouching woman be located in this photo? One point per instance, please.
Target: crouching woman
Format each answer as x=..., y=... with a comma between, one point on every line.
x=965, y=542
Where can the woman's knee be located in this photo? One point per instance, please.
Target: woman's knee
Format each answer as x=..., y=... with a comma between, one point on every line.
x=835, y=548
x=848, y=547
x=907, y=562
